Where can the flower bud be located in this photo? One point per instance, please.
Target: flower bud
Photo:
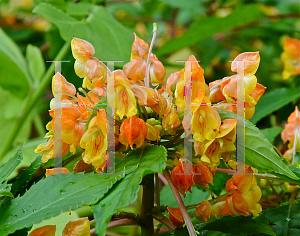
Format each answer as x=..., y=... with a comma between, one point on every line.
x=81, y=166
x=176, y=216
x=47, y=230
x=82, y=50
x=203, y=211
x=55, y=171
x=206, y=176
x=250, y=62
x=182, y=177
x=60, y=84
x=78, y=227
x=291, y=188
x=153, y=133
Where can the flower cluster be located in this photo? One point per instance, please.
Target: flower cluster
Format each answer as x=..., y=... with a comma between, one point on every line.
x=290, y=58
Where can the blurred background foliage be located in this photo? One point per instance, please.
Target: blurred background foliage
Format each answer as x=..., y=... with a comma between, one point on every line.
x=215, y=31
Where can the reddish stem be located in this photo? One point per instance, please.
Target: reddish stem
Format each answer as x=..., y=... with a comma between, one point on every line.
x=164, y=220
x=163, y=179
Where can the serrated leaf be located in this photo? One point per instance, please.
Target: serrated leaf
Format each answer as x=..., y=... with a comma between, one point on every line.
x=138, y=163
x=52, y=196
x=209, y=26
x=24, y=178
x=111, y=40
x=286, y=222
x=272, y=133
x=13, y=74
x=5, y=190
x=273, y=101
x=10, y=165
x=259, y=152
x=36, y=63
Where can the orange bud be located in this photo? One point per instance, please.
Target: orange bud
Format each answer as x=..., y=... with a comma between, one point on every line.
x=206, y=175
x=133, y=69
x=157, y=70
x=139, y=48
x=292, y=48
x=203, y=211
x=60, y=84
x=82, y=50
x=240, y=204
x=133, y=130
x=55, y=171
x=173, y=79
x=81, y=166
x=78, y=227
x=182, y=177
x=47, y=230
x=176, y=216
x=251, y=62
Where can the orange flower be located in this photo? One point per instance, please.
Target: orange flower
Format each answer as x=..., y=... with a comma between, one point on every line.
x=133, y=130
x=176, y=216
x=203, y=211
x=171, y=121
x=206, y=175
x=47, y=230
x=84, y=103
x=124, y=102
x=94, y=140
x=172, y=80
x=157, y=70
x=82, y=50
x=197, y=80
x=291, y=58
x=250, y=63
x=205, y=120
x=182, y=177
x=78, y=227
x=56, y=171
x=60, y=84
x=139, y=48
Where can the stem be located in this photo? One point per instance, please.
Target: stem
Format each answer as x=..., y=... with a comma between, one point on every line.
x=116, y=223
x=180, y=203
x=145, y=112
x=149, y=53
x=30, y=103
x=216, y=85
x=163, y=179
x=85, y=93
x=71, y=158
x=174, y=139
x=40, y=128
x=147, y=205
x=274, y=191
x=164, y=220
x=157, y=197
x=140, y=112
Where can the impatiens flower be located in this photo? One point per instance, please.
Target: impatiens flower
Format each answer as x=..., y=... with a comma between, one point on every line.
x=182, y=177
x=157, y=70
x=124, y=102
x=58, y=170
x=211, y=150
x=153, y=133
x=139, y=48
x=94, y=140
x=249, y=61
x=197, y=82
x=81, y=166
x=291, y=57
x=204, y=175
x=176, y=216
x=47, y=230
x=205, y=120
x=82, y=50
x=203, y=211
x=61, y=85
x=78, y=227
x=173, y=79
x=171, y=120
x=133, y=131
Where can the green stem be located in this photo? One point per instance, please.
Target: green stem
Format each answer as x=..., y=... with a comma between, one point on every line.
x=37, y=121
x=145, y=112
x=32, y=101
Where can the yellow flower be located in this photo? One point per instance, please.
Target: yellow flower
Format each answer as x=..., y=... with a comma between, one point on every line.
x=291, y=57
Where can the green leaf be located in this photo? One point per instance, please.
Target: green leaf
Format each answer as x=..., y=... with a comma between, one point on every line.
x=219, y=183
x=272, y=133
x=36, y=63
x=238, y=225
x=53, y=195
x=111, y=40
x=273, y=101
x=195, y=197
x=140, y=162
x=259, y=152
x=5, y=190
x=13, y=74
x=10, y=165
x=206, y=27
x=24, y=178
x=286, y=222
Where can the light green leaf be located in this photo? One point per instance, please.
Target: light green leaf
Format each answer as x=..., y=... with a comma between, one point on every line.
x=10, y=165
x=13, y=74
x=273, y=101
x=286, y=222
x=52, y=196
x=36, y=63
x=111, y=40
x=137, y=164
x=272, y=133
x=259, y=152
x=206, y=27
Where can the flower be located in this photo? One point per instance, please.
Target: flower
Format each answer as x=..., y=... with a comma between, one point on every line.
x=47, y=230
x=203, y=211
x=55, y=171
x=133, y=131
x=94, y=140
x=206, y=175
x=182, y=177
x=291, y=57
x=77, y=227
x=176, y=216
x=82, y=50
x=124, y=102
x=205, y=120
x=60, y=84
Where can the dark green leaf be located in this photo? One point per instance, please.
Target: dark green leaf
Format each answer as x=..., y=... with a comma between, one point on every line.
x=273, y=101
x=219, y=183
x=52, y=196
x=13, y=74
x=259, y=152
x=5, y=190
x=286, y=222
x=36, y=63
x=272, y=133
x=207, y=27
x=10, y=165
x=111, y=40
x=137, y=164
